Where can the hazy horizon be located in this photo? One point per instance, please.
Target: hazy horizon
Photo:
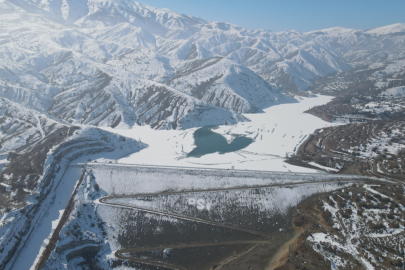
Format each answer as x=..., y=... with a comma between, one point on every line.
x=298, y=15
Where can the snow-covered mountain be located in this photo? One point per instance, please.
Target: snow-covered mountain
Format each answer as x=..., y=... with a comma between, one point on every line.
x=98, y=69
x=389, y=29
x=226, y=84
x=22, y=127
x=69, y=65
x=119, y=62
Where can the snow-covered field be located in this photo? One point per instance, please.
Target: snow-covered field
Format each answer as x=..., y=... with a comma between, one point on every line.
x=128, y=180
x=277, y=131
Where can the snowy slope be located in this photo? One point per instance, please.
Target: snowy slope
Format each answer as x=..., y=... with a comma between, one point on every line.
x=41, y=199
x=151, y=19
x=376, y=76
x=389, y=29
x=85, y=61
x=22, y=127
x=62, y=71
x=226, y=84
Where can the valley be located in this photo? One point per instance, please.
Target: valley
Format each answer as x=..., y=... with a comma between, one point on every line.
x=133, y=137
x=276, y=132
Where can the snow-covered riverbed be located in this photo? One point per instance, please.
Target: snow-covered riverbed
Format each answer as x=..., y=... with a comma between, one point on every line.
x=277, y=131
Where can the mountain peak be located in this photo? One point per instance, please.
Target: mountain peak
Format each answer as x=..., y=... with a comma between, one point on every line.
x=95, y=13
x=157, y=21
x=388, y=29
x=332, y=31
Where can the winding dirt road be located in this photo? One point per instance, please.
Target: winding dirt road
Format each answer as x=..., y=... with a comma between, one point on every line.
x=265, y=237
x=120, y=253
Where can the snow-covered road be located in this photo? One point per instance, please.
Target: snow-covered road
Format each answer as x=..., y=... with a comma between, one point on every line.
x=52, y=210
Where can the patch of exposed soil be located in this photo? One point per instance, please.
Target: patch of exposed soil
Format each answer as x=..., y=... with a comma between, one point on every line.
x=357, y=209
x=375, y=148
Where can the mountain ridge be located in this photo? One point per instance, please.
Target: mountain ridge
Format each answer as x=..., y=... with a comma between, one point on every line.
x=88, y=61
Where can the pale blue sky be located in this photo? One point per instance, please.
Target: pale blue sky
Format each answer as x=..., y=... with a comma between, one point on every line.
x=303, y=15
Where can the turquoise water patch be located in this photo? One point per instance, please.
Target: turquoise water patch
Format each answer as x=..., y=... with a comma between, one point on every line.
x=209, y=142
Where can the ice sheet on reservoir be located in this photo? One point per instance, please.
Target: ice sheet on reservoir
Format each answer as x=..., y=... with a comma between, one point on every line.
x=277, y=131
